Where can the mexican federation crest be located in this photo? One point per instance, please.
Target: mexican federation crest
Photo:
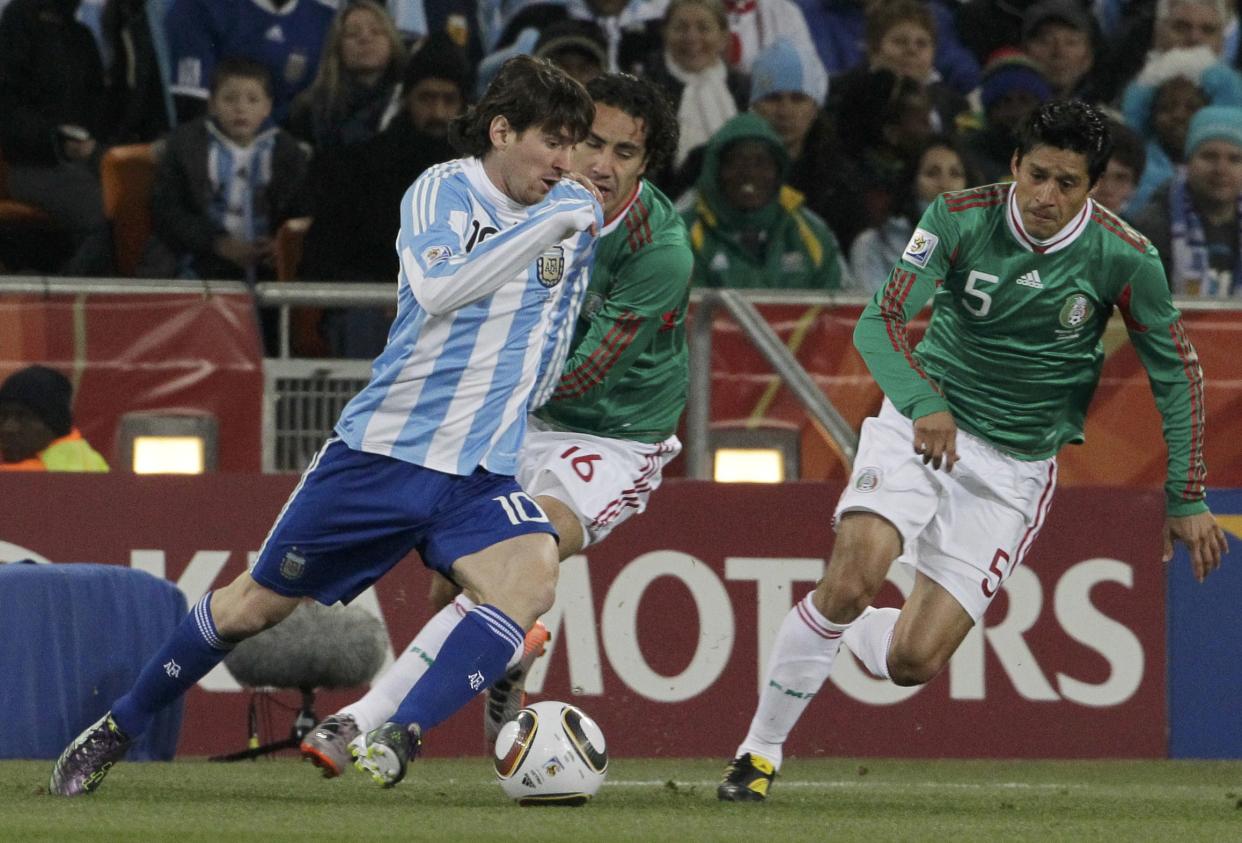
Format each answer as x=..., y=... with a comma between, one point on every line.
x=550, y=266
x=1076, y=310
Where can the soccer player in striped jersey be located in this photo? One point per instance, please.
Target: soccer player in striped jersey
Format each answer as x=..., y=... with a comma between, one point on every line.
x=595, y=451
x=956, y=473
x=493, y=248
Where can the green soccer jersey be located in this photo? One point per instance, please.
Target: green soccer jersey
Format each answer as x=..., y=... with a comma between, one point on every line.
x=1013, y=347
x=628, y=368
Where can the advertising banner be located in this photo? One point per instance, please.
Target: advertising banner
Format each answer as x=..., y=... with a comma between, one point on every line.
x=197, y=353
x=662, y=631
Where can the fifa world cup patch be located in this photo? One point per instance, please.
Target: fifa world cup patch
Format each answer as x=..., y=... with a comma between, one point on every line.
x=920, y=248
x=293, y=565
x=868, y=479
x=436, y=253
x=550, y=266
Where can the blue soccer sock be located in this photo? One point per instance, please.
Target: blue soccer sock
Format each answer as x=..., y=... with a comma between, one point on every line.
x=474, y=655
x=193, y=650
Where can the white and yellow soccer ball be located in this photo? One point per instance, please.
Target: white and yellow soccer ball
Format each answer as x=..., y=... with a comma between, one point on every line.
x=552, y=753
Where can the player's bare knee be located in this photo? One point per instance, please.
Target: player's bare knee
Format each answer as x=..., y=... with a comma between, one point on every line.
x=842, y=600
x=543, y=577
x=907, y=668
x=845, y=592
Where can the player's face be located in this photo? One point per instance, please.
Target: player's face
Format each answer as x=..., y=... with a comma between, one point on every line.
x=749, y=175
x=1215, y=172
x=22, y=433
x=694, y=37
x=940, y=170
x=526, y=165
x=365, y=47
x=907, y=49
x=239, y=107
x=1116, y=186
x=1052, y=186
x=432, y=104
x=613, y=156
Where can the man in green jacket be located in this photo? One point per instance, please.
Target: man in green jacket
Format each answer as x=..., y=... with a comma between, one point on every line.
x=36, y=425
x=750, y=229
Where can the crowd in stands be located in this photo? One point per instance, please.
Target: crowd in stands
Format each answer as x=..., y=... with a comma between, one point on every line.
x=813, y=132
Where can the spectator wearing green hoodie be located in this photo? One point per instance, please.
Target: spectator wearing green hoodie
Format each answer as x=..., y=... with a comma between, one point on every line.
x=748, y=228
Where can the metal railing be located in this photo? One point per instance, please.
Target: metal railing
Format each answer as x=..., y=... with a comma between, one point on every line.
x=741, y=307
x=303, y=397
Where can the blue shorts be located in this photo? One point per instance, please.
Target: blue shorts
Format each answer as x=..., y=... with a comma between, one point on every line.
x=354, y=515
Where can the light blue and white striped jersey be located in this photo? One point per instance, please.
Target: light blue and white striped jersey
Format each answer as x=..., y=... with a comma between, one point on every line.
x=489, y=290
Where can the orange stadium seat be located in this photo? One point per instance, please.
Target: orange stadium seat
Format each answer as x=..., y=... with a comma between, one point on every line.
x=127, y=174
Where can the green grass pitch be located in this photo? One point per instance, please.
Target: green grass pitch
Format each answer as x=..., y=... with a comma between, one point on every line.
x=643, y=800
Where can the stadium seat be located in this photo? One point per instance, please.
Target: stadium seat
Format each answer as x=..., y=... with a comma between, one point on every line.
x=127, y=174
x=23, y=229
x=304, y=337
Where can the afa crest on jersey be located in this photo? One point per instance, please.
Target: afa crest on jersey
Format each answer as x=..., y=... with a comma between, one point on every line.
x=920, y=248
x=550, y=266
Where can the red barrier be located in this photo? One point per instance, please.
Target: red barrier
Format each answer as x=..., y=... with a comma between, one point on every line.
x=133, y=353
x=1124, y=446
x=660, y=636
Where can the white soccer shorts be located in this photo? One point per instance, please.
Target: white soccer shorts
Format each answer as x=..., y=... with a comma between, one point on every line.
x=602, y=480
x=966, y=529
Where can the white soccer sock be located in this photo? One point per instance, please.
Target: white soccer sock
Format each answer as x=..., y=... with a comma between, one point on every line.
x=869, y=636
x=801, y=661
x=387, y=692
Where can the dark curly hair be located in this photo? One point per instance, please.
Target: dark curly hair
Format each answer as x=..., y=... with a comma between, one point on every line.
x=642, y=100
x=527, y=92
x=1069, y=124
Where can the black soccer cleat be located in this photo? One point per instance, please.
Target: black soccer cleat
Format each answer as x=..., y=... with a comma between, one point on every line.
x=327, y=745
x=747, y=779
x=84, y=763
x=386, y=752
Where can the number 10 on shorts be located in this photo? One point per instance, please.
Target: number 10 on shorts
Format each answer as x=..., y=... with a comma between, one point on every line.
x=519, y=507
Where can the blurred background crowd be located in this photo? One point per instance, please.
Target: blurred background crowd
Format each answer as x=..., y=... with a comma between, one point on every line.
x=200, y=138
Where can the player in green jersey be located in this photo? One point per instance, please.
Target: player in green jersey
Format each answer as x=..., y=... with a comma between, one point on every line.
x=956, y=474
x=595, y=450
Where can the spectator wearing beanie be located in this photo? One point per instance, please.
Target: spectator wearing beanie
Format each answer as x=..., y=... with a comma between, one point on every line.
x=1195, y=221
x=357, y=190
x=1012, y=87
x=789, y=93
x=36, y=425
x=1159, y=104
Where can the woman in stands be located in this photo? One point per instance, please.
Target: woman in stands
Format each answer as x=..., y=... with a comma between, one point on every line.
x=355, y=90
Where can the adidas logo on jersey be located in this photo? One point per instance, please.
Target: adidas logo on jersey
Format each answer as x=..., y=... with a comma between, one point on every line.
x=275, y=34
x=1031, y=279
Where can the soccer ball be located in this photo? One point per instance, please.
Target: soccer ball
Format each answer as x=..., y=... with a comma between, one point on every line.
x=551, y=754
